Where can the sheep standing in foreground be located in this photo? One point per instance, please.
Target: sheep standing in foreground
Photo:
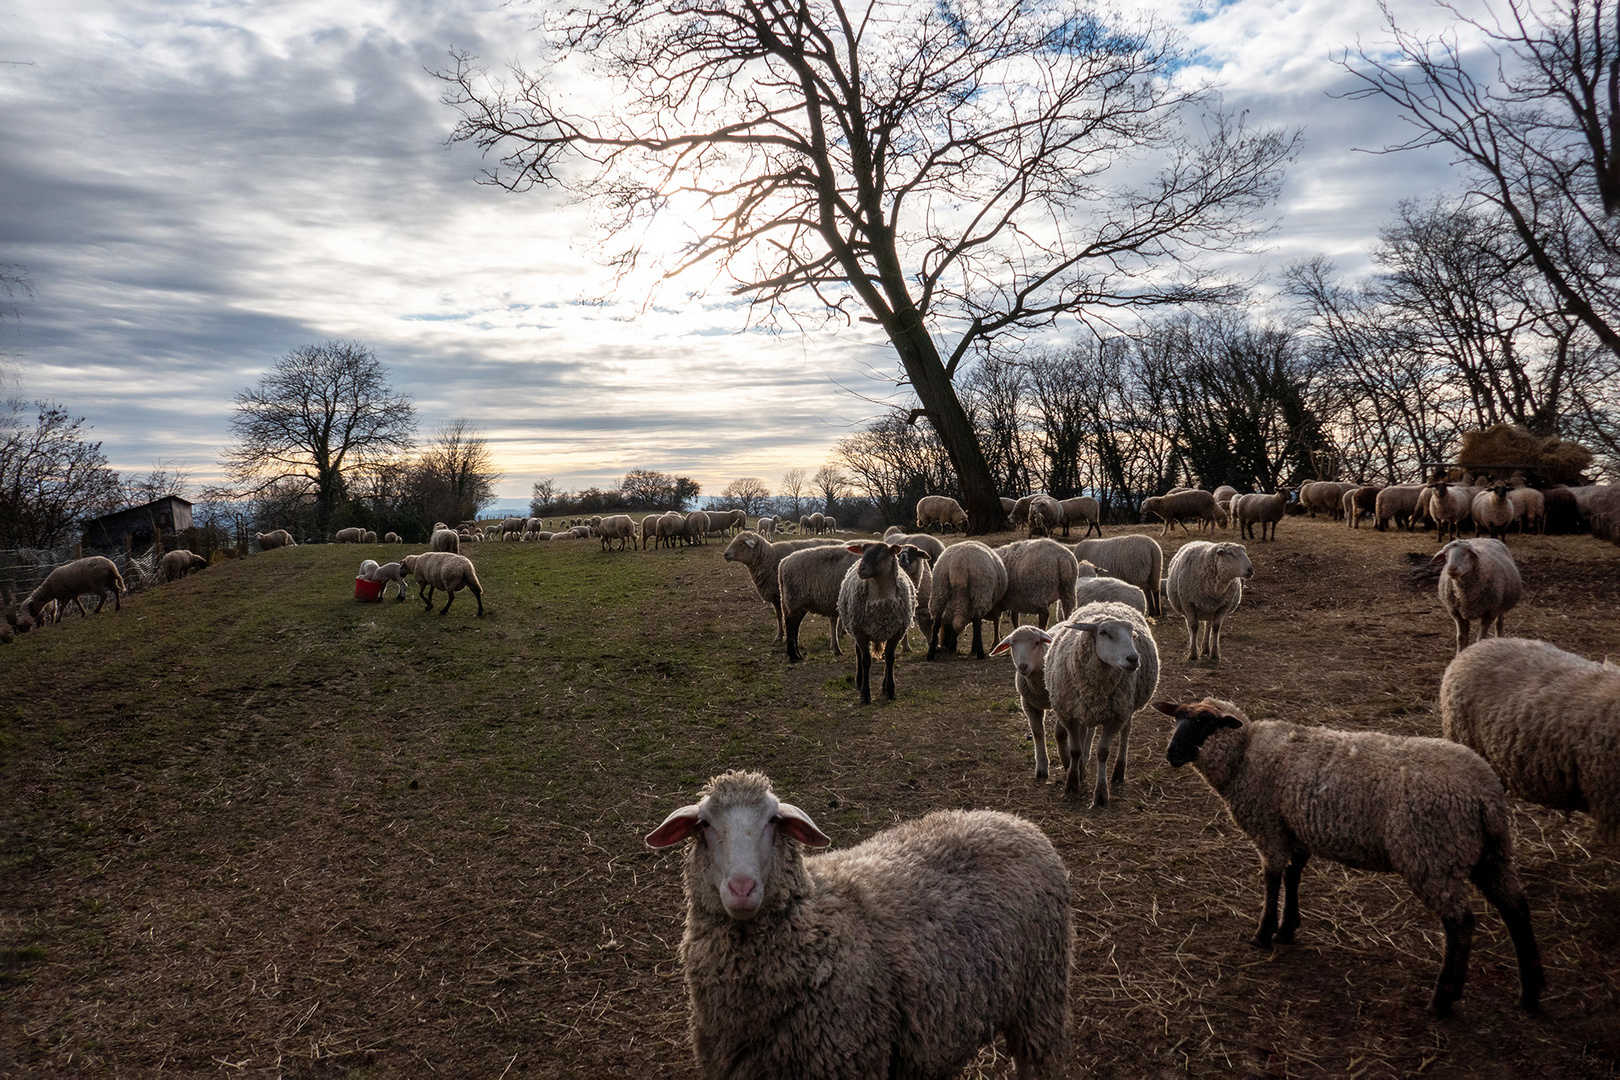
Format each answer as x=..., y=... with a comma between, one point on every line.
x=443, y=570
x=762, y=559
x=67, y=583
x=1101, y=667
x=445, y=540
x=1028, y=646
x=1040, y=573
x=808, y=582
x=876, y=601
x=816, y=967
x=177, y=564
x=1479, y=580
x=274, y=539
x=1427, y=809
x=1177, y=505
x=1547, y=720
x=941, y=510
x=1133, y=558
x=1204, y=585
x=969, y=580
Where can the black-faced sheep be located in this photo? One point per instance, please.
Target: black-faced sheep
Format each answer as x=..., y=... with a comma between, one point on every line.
x=876, y=601
x=1493, y=511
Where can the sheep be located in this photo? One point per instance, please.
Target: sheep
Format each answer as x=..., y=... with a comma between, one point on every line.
x=649, y=531
x=1133, y=558
x=1478, y=580
x=541, y=535
x=1357, y=501
x=1262, y=510
x=177, y=564
x=671, y=526
x=818, y=523
x=1204, y=585
x=918, y=565
x=876, y=603
x=1427, y=809
x=1397, y=503
x=927, y=541
x=1028, y=647
x=349, y=536
x=368, y=537
x=969, y=581
x=1044, y=515
x=1449, y=505
x=391, y=538
x=1493, y=511
x=1102, y=665
x=762, y=559
x=829, y=524
x=804, y=523
x=1082, y=508
x=1223, y=499
x=443, y=570
x=765, y=526
x=697, y=527
x=941, y=510
x=67, y=583
x=1183, y=504
x=367, y=566
x=1547, y=720
x=275, y=538
x=900, y=956
x=808, y=581
x=1530, y=509
x=392, y=571
x=445, y=540
x=1093, y=590
x=1040, y=573
x=618, y=527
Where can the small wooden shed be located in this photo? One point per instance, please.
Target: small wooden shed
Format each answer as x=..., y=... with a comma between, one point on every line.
x=135, y=525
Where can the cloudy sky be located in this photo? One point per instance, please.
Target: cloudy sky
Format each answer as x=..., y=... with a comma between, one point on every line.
x=194, y=188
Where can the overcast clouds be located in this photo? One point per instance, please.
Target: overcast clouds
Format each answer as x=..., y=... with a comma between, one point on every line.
x=196, y=188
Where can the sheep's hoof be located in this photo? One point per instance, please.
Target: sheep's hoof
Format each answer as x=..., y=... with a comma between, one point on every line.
x=1284, y=937
x=1440, y=1008
x=1260, y=942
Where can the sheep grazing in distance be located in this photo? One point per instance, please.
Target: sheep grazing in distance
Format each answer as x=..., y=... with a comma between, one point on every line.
x=941, y=510
x=620, y=527
x=276, y=538
x=876, y=602
x=177, y=564
x=1082, y=508
x=1547, y=720
x=1427, y=809
x=1204, y=585
x=445, y=540
x=930, y=543
x=369, y=537
x=443, y=570
x=1177, y=505
x=349, y=536
x=392, y=571
x=391, y=538
x=1044, y=514
x=1092, y=590
x=814, y=967
x=1478, y=580
x=918, y=566
x=969, y=580
x=808, y=581
x=1223, y=499
x=1398, y=504
x=762, y=558
x=1028, y=647
x=1040, y=573
x=1132, y=558
x=765, y=526
x=697, y=527
x=67, y=583
x=1530, y=508
x=1101, y=667
x=1493, y=511
x=1262, y=510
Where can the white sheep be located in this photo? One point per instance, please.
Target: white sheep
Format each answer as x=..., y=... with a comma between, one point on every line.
x=177, y=564
x=969, y=581
x=1427, y=809
x=899, y=957
x=1028, y=646
x=275, y=538
x=1204, y=585
x=1449, y=505
x=1397, y=503
x=941, y=510
x=1091, y=590
x=391, y=538
x=1040, y=573
x=1082, y=508
x=1133, y=557
x=67, y=583
x=367, y=567
x=762, y=558
x=349, y=536
x=443, y=570
x=391, y=571
x=1259, y=509
x=808, y=582
x=876, y=602
x=1478, y=580
x=620, y=527
x=1176, y=505
x=445, y=540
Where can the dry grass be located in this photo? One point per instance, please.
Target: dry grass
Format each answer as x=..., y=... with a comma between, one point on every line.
x=252, y=827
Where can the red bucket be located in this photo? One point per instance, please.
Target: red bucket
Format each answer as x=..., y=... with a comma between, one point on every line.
x=370, y=591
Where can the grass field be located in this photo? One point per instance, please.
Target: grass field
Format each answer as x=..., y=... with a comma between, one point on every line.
x=252, y=827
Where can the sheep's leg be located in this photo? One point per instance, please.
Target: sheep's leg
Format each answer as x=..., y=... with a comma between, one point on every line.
x=795, y=654
x=1290, y=914
x=1037, y=731
x=1507, y=896
x=1454, y=969
x=978, y=638
x=781, y=623
x=1099, y=796
x=888, y=667
x=1124, y=745
x=833, y=620
x=478, y=594
x=1193, y=630
x=863, y=667
x=1462, y=632
x=933, y=639
x=424, y=593
x=1079, y=750
x=1215, y=639
x=1268, y=914
x=450, y=598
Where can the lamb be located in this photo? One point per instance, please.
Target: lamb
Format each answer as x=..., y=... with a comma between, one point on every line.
x=274, y=539
x=764, y=526
x=1427, y=809
x=927, y=541
x=763, y=558
x=1493, y=511
x=918, y=565
x=1479, y=580
x=829, y=524
x=349, y=536
x=1183, y=504
x=1133, y=558
x=67, y=583
x=445, y=540
x=1082, y=508
x=1397, y=503
x=969, y=581
x=1449, y=505
x=808, y=582
x=1259, y=509
x=443, y=570
x=1204, y=585
x=1102, y=665
x=1040, y=573
x=876, y=602
x=393, y=571
x=620, y=527
x=1028, y=647
x=1547, y=720
x=177, y=564
x=367, y=567
x=898, y=957
x=941, y=510
x=1097, y=589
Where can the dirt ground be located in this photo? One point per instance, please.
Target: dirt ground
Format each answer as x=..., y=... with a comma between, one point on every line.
x=251, y=827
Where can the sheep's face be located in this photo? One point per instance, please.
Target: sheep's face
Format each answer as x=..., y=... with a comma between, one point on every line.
x=1115, y=642
x=1459, y=558
x=913, y=559
x=1196, y=721
x=742, y=549
x=1231, y=561
x=1028, y=647
x=736, y=847
x=877, y=560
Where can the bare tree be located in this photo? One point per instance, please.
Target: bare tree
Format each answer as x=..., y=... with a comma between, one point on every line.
x=165, y=478
x=956, y=171
x=746, y=493
x=544, y=496
x=793, y=489
x=321, y=410
x=833, y=483
x=894, y=463
x=455, y=475
x=51, y=475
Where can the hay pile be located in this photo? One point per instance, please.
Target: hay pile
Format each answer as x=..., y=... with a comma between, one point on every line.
x=1561, y=461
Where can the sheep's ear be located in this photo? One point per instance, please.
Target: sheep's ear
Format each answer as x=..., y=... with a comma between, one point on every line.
x=1169, y=708
x=1001, y=646
x=1441, y=555
x=859, y=549
x=1227, y=720
x=895, y=549
x=1083, y=627
x=797, y=824
x=752, y=542
x=677, y=827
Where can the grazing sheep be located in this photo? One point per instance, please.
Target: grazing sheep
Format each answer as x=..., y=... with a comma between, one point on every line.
x=542, y=535
x=1101, y=667
x=1479, y=580
x=765, y=526
x=918, y=565
x=1530, y=508
x=1224, y=496
x=367, y=566
x=818, y=523
x=927, y=541
x=1547, y=720
x=392, y=571
x=1397, y=503
x=697, y=527
x=876, y=602
x=391, y=538
x=1098, y=589
x=1493, y=511
x=1044, y=515
x=177, y=564
x=969, y=580
x=1183, y=504
x=1204, y=585
x=445, y=540
x=804, y=523
x=1133, y=558
x=276, y=538
x=1427, y=809
x=369, y=537
x=941, y=510
x=1449, y=505
x=443, y=570
x=1082, y=508
x=67, y=583
x=1040, y=573
x=349, y=536
x=808, y=582
x=1028, y=646
x=1262, y=510
x=762, y=558
x=899, y=957
x=620, y=527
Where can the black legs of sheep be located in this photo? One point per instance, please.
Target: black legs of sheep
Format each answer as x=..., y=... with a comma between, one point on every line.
x=944, y=640
x=863, y=667
x=1514, y=908
x=1269, y=929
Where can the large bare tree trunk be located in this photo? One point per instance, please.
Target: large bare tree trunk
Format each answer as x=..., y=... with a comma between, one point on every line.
x=944, y=410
